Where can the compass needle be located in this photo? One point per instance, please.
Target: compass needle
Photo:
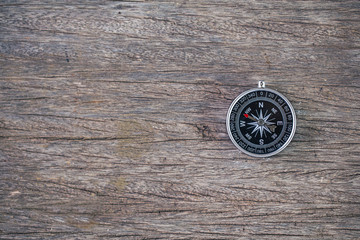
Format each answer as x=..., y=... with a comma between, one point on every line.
x=252, y=118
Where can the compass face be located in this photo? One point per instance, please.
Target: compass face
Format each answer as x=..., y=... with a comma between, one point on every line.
x=261, y=122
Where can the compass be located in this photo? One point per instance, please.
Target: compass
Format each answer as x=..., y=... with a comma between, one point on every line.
x=261, y=122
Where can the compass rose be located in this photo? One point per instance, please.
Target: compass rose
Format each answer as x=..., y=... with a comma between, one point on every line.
x=261, y=123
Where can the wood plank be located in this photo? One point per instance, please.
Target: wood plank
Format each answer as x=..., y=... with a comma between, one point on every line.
x=112, y=119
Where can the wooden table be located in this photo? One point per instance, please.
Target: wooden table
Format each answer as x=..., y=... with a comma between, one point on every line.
x=112, y=119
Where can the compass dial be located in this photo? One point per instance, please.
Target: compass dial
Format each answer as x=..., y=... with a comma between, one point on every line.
x=261, y=122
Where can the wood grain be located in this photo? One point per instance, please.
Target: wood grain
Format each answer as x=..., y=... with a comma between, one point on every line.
x=112, y=119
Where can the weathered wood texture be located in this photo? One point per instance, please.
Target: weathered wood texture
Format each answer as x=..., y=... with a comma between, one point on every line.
x=112, y=119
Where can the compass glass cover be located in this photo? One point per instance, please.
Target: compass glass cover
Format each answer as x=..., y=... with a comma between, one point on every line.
x=261, y=122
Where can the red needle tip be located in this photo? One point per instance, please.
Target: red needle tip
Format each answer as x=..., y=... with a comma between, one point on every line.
x=246, y=115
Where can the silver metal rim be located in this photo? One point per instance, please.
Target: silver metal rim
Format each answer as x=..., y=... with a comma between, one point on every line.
x=254, y=154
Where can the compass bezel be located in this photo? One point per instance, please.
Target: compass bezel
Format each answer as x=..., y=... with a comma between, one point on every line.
x=255, y=154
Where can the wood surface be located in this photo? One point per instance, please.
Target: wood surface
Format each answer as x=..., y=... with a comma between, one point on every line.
x=112, y=119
